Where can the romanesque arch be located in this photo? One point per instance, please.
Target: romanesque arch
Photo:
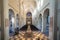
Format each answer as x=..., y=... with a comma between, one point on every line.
x=11, y=22
x=40, y=22
x=46, y=21
x=17, y=20
x=29, y=19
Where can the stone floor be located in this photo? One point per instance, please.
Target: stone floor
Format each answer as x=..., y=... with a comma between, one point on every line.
x=36, y=36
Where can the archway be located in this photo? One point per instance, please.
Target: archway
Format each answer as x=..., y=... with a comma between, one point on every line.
x=29, y=17
x=46, y=21
x=11, y=22
x=29, y=20
x=17, y=21
x=40, y=22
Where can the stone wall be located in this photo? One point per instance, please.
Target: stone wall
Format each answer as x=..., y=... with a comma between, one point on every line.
x=43, y=6
x=14, y=5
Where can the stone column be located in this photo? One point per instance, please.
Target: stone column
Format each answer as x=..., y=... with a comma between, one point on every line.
x=53, y=25
x=0, y=20
x=4, y=20
x=58, y=19
x=1, y=8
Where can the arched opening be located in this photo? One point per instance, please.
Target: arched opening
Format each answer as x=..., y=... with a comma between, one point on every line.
x=11, y=22
x=40, y=22
x=29, y=21
x=46, y=21
x=29, y=17
x=17, y=21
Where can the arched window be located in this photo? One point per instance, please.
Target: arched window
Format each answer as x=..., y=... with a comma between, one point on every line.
x=11, y=22
x=40, y=21
x=46, y=21
x=17, y=20
x=29, y=14
x=29, y=17
x=46, y=15
x=47, y=18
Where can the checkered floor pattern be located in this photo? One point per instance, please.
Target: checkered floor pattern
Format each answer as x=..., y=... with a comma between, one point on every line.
x=37, y=36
